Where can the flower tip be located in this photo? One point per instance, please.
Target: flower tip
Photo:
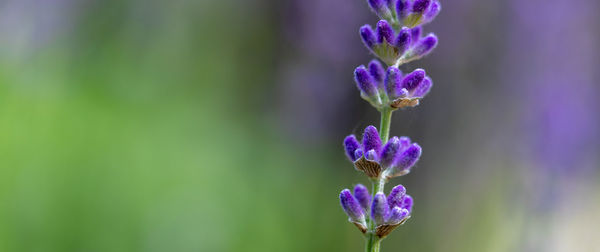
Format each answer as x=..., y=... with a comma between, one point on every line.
x=419, y=6
x=351, y=144
x=368, y=36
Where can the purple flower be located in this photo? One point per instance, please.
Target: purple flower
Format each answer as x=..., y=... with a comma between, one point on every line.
x=404, y=39
x=380, y=210
x=384, y=32
x=380, y=7
x=367, y=85
x=419, y=6
x=371, y=140
x=423, y=47
x=406, y=161
x=368, y=36
x=361, y=193
x=398, y=49
x=390, y=153
x=393, y=79
x=351, y=145
x=396, y=196
x=413, y=87
x=377, y=72
x=397, y=216
x=352, y=207
x=394, y=159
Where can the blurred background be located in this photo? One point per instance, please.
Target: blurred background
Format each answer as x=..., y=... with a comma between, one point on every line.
x=140, y=125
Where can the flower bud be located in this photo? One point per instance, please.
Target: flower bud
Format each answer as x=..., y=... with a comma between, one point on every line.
x=351, y=207
x=397, y=216
x=396, y=196
x=379, y=209
x=380, y=7
x=409, y=157
x=402, y=8
x=424, y=46
x=423, y=88
x=406, y=161
x=384, y=32
x=371, y=155
x=351, y=145
x=368, y=36
x=404, y=40
x=390, y=152
x=365, y=82
x=377, y=71
x=434, y=10
x=362, y=195
x=407, y=203
x=414, y=79
x=420, y=6
x=415, y=34
x=371, y=140
x=393, y=80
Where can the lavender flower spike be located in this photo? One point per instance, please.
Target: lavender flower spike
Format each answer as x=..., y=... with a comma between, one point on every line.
x=396, y=40
x=380, y=210
x=352, y=207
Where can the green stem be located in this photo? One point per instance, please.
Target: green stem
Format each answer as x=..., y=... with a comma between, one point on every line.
x=384, y=127
x=374, y=242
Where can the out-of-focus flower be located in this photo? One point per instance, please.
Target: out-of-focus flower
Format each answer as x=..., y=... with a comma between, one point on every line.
x=392, y=89
x=396, y=49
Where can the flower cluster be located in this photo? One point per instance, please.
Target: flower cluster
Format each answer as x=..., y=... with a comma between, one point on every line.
x=408, y=13
x=395, y=158
x=386, y=213
x=391, y=88
x=397, y=48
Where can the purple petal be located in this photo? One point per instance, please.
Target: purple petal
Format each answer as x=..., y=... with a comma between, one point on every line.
x=412, y=80
x=433, y=11
x=419, y=6
x=415, y=34
x=390, y=152
x=384, y=32
x=351, y=145
x=368, y=36
x=402, y=7
x=377, y=71
x=365, y=81
x=425, y=46
x=380, y=210
x=371, y=140
x=351, y=206
x=396, y=196
x=404, y=40
x=393, y=80
x=397, y=215
x=407, y=203
x=361, y=193
x=423, y=88
x=408, y=158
